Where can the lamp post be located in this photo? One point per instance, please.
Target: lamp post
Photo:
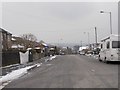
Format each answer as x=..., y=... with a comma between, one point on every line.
x=110, y=20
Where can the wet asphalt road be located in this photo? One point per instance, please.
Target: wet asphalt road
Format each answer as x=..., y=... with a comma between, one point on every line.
x=70, y=71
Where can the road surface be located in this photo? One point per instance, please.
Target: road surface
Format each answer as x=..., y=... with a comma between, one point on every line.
x=70, y=71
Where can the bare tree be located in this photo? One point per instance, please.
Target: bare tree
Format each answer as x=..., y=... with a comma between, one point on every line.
x=29, y=37
x=29, y=40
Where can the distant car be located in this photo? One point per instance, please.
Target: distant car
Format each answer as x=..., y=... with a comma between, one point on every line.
x=88, y=55
x=82, y=53
x=62, y=53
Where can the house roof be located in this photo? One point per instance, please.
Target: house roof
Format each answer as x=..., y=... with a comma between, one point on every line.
x=4, y=31
x=108, y=37
x=44, y=44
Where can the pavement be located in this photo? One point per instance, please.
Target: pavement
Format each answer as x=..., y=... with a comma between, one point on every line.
x=16, y=71
x=70, y=71
x=7, y=69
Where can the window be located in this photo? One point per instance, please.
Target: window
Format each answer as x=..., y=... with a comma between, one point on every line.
x=108, y=45
x=115, y=44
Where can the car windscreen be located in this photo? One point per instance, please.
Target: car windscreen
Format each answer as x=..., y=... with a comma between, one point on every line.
x=115, y=44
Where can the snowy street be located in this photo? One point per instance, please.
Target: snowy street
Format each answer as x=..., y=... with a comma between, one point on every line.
x=70, y=71
x=15, y=71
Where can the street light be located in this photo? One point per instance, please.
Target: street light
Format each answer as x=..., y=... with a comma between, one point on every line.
x=110, y=20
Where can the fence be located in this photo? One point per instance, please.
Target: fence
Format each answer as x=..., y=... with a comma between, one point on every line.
x=15, y=56
x=10, y=57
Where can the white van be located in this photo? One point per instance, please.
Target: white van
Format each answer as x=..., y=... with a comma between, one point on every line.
x=110, y=49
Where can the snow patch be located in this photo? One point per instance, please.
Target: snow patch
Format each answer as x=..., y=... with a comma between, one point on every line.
x=53, y=57
x=4, y=80
x=46, y=60
x=15, y=74
x=38, y=65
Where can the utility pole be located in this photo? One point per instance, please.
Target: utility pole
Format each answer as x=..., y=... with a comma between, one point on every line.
x=81, y=43
x=96, y=36
x=110, y=23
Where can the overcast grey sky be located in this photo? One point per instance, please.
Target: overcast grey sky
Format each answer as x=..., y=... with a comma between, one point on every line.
x=64, y=22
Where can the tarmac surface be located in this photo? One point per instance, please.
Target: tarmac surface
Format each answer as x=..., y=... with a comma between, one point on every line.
x=70, y=71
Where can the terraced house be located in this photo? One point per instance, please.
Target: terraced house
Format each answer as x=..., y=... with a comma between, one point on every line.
x=5, y=39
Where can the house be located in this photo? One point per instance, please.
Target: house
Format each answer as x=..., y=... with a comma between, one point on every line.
x=5, y=39
x=93, y=46
x=18, y=43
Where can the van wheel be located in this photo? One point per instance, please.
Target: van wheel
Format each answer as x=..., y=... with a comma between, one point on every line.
x=99, y=59
x=105, y=60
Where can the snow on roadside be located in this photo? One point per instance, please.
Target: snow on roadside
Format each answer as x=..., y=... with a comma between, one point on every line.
x=53, y=57
x=15, y=74
x=38, y=65
x=4, y=80
x=46, y=60
x=11, y=76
